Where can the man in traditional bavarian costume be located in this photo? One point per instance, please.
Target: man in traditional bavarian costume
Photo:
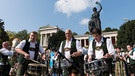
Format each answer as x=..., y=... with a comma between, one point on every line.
x=130, y=58
x=4, y=63
x=99, y=48
x=120, y=64
x=29, y=51
x=72, y=50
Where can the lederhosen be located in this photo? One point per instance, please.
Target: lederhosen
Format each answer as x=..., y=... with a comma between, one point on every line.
x=22, y=61
x=4, y=65
x=120, y=66
x=72, y=69
x=104, y=47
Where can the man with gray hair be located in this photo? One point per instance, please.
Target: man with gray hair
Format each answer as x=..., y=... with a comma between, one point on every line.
x=4, y=63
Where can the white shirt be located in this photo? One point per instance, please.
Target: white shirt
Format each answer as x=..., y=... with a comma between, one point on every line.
x=68, y=45
x=6, y=52
x=32, y=44
x=99, y=53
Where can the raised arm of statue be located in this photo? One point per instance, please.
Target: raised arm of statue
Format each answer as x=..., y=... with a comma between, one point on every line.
x=99, y=5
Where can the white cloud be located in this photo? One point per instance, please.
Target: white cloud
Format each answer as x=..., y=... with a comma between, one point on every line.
x=84, y=21
x=74, y=6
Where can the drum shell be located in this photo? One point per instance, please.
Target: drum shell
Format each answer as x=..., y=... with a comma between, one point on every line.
x=95, y=65
x=63, y=64
x=35, y=69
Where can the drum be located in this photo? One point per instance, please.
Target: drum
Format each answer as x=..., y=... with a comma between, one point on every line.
x=95, y=66
x=63, y=63
x=35, y=69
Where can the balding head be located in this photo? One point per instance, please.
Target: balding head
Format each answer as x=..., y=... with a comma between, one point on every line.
x=68, y=31
x=68, y=34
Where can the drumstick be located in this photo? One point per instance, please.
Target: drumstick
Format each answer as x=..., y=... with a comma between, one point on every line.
x=34, y=61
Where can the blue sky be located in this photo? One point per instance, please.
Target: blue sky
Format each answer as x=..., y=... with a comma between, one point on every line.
x=66, y=14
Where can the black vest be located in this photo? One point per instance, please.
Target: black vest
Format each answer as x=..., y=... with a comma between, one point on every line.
x=3, y=58
x=26, y=49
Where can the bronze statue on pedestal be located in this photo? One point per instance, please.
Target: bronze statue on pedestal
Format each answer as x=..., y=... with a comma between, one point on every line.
x=95, y=19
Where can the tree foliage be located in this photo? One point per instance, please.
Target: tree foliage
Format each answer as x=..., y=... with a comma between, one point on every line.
x=126, y=34
x=55, y=40
x=38, y=39
x=108, y=29
x=11, y=34
x=87, y=32
x=22, y=34
x=3, y=34
x=74, y=33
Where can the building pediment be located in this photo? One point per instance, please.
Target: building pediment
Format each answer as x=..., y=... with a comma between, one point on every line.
x=48, y=27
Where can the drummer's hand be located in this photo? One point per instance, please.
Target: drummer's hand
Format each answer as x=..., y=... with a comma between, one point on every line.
x=74, y=55
x=27, y=56
x=106, y=56
x=89, y=58
x=43, y=57
x=56, y=54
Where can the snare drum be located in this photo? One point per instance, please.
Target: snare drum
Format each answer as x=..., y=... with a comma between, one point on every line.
x=35, y=69
x=63, y=63
x=95, y=66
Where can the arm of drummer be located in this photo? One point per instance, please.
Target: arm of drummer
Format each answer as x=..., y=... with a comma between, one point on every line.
x=125, y=56
x=89, y=58
x=19, y=48
x=79, y=50
x=110, y=48
x=90, y=52
x=75, y=54
x=26, y=56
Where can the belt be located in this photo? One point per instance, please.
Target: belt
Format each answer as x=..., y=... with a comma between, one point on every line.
x=32, y=49
x=67, y=49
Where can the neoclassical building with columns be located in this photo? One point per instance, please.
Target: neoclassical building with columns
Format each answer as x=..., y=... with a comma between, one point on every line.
x=47, y=31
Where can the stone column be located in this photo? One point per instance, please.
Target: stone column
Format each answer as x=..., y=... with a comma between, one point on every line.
x=84, y=42
x=41, y=39
x=45, y=40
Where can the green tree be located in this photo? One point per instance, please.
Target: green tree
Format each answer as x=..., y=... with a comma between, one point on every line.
x=74, y=33
x=126, y=34
x=87, y=32
x=55, y=40
x=3, y=34
x=108, y=29
x=22, y=34
x=38, y=39
x=11, y=35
